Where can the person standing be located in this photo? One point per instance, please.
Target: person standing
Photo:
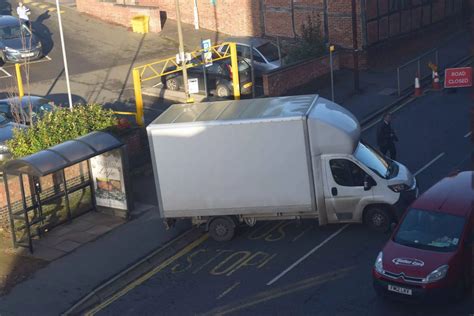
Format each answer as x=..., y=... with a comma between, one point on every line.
x=23, y=13
x=386, y=137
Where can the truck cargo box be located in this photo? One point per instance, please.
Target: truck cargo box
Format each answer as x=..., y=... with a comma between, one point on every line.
x=229, y=157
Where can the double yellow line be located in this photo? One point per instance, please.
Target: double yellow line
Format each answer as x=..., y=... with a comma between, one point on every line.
x=147, y=276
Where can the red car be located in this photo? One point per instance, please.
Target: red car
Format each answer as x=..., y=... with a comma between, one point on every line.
x=430, y=253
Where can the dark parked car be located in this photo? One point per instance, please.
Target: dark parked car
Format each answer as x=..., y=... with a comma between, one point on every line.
x=10, y=107
x=219, y=78
x=17, y=42
x=6, y=133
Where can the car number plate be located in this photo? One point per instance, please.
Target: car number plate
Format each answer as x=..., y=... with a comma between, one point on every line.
x=400, y=290
x=27, y=55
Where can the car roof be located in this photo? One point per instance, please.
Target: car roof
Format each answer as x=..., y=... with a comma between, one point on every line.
x=247, y=40
x=25, y=100
x=453, y=195
x=6, y=20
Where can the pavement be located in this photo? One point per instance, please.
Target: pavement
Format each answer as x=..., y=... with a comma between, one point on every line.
x=62, y=283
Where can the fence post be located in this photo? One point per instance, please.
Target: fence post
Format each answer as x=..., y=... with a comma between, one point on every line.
x=235, y=70
x=419, y=67
x=19, y=81
x=398, y=81
x=138, y=97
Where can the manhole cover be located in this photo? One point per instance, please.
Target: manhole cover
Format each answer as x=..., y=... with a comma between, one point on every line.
x=387, y=91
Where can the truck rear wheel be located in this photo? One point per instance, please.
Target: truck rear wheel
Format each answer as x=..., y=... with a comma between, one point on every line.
x=222, y=229
x=378, y=219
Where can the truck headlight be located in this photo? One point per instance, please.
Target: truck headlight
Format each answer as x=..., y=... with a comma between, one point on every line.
x=437, y=274
x=379, y=263
x=399, y=187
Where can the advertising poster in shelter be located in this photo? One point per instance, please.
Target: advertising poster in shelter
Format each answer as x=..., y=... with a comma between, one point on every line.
x=108, y=177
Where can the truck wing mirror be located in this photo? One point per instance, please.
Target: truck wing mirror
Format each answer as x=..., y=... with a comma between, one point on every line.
x=368, y=182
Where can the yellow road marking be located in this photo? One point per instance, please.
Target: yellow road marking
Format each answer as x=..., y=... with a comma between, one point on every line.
x=43, y=6
x=236, y=284
x=35, y=4
x=26, y=1
x=147, y=276
x=52, y=9
x=265, y=296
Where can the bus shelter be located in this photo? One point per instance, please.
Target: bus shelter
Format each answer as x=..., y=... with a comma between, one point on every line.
x=31, y=216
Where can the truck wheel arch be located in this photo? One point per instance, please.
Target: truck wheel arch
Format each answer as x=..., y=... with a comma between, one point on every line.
x=228, y=223
x=378, y=217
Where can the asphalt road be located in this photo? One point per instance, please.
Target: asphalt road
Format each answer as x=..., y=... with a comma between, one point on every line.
x=100, y=57
x=244, y=276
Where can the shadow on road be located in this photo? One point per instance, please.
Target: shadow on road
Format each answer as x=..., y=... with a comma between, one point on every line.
x=43, y=32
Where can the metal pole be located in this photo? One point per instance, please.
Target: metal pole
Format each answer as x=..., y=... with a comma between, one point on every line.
x=398, y=81
x=66, y=72
x=181, y=53
x=235, y=70
x=196, y=16
x=19, y=80
x=252, y=71
x=355, y=53
x=279, y=51
x=138, y=97
x=331, y=49
x=204, y=70
x=419, y=68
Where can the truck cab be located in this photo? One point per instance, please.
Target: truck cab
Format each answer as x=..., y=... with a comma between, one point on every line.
x=360, y=184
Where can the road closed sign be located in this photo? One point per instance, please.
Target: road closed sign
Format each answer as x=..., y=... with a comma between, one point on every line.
x=458, y=77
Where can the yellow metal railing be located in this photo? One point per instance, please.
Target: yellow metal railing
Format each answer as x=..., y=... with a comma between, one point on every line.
x=162, y=67
x=168, y=66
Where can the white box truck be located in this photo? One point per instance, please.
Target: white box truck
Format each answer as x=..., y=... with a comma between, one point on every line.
x=223, y=163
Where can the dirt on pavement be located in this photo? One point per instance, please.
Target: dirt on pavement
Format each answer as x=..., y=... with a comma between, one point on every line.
x=15, y=264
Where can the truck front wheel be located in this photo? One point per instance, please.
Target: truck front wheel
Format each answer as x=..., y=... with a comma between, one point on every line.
x=378, y=218
x=222, y=229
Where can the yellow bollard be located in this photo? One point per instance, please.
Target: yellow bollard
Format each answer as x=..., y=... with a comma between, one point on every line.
x=235, y=70
x=19, y=80
x=138, y=97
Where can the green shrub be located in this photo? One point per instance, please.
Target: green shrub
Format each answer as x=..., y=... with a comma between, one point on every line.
x=311, y=43
x=59, y=126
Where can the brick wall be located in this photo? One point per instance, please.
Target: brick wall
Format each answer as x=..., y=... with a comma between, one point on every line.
x=120, y=14
x=276, y=82
x=49, y=182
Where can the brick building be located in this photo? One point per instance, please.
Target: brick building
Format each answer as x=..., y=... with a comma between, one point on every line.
x=377, y=20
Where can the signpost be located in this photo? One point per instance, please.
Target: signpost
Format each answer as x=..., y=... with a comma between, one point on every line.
x=193, y=85
x=458, y=77
x=207, y=60
x=207, y=54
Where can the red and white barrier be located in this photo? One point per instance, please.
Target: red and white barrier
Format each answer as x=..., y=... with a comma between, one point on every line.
x=418, y=91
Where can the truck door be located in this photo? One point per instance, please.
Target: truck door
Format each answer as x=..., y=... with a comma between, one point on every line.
x=344, y=188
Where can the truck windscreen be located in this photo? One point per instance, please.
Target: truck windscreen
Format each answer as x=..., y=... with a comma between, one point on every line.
x=372, y=160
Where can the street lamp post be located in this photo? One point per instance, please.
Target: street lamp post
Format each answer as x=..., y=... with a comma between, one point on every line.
x=181, y=53
x=355, y=52
x=66, y=72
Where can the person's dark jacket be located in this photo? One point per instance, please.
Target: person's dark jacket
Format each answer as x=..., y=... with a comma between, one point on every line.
x=385, y=135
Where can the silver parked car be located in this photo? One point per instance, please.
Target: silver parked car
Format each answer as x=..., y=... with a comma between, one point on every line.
x=265, y=53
